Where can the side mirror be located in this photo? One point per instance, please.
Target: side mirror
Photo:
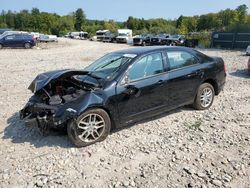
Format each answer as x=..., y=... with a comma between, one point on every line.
x=125, y=80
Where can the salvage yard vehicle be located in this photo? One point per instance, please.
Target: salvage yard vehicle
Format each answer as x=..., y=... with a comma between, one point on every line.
x=124, y=35
x=17, y=40
x=176, y=40
x=78, y=35
x=83, y=35
x=47, y=38
x=142, y=40
x=74, y=35
x=109, y=37
x=248, y=50
x=100, y=34
x=160, y=39
x=248, y=65
x=121, y=88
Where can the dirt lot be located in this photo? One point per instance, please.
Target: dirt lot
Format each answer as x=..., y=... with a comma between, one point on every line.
x=183, y=148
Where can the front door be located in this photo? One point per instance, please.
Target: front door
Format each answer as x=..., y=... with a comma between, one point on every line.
x=9, y=41
x=143, y=88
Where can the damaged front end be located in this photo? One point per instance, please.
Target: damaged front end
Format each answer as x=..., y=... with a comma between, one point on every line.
x=59, y=97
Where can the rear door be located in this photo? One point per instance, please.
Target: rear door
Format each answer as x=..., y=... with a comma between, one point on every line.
x=185, y=73
x=19, y=40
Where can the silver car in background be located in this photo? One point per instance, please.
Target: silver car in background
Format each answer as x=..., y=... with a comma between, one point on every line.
x=248, y=51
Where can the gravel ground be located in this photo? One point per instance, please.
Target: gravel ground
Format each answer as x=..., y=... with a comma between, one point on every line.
x=182, y=148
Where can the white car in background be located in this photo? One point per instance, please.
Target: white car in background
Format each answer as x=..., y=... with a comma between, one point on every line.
x=248, y=50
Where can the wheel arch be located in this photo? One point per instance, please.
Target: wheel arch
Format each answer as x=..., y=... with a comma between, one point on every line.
x=113, y=122
x=214, y=84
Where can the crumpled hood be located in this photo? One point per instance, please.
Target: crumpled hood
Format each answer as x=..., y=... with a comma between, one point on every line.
x=45, y=78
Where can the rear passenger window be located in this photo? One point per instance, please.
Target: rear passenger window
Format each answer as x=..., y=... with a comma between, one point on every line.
x=180, y=59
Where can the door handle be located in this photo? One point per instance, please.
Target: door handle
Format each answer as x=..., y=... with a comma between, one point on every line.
x=160, y=82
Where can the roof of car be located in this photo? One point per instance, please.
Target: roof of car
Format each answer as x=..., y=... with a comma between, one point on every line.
x=143, y=50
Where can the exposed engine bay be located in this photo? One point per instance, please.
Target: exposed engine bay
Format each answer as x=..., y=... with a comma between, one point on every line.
x=55, y=97
x=62, y=91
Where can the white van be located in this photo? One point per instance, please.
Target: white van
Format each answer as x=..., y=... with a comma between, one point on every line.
x=124, y=35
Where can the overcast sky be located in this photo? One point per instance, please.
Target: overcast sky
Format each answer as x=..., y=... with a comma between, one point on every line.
x=119, y=10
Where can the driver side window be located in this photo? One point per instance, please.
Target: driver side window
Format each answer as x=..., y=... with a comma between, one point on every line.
x=145, y=67
x=10, y=37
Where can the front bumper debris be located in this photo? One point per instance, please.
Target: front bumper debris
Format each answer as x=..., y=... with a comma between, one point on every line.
x=44, y=116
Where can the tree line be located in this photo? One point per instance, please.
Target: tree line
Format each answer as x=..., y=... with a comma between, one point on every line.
x=231, y=20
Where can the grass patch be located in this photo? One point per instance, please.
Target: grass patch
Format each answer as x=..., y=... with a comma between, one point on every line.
x=194, y=125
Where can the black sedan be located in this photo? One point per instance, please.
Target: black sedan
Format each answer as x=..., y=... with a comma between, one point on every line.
x=121, y=88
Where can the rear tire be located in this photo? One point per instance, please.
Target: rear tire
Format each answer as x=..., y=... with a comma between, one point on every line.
x=205, y=97
x=90, y=127
x=27, y=45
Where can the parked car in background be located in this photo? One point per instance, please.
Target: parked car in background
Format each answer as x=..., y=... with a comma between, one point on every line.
x=93, y=38
x=17, y=40
x=83, y=35
x=142, y=40
x=109, y=37
x=67, y=35
x=248, y=50
x=78, y=35
x=176, y=40
x=124, y=35
x=160, y=39
x=248, y=65
x=74, y=35
x=48, y=38
x=121, y=88
x=4, y=30
x=100, y=34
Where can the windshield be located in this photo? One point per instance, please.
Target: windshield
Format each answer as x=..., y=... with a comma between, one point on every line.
x=109, y=65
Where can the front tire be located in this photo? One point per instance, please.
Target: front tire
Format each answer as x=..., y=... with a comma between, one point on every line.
x=92, y=126
x=205, y=97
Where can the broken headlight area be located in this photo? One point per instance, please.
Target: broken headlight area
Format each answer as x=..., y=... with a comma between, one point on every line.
x=53, y=105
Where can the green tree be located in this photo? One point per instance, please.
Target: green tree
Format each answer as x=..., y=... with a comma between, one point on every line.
x=10, y=19
x=179, y=22
x=242, y=11
x=110, y=25
x=79, y=19
x=228, y=17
